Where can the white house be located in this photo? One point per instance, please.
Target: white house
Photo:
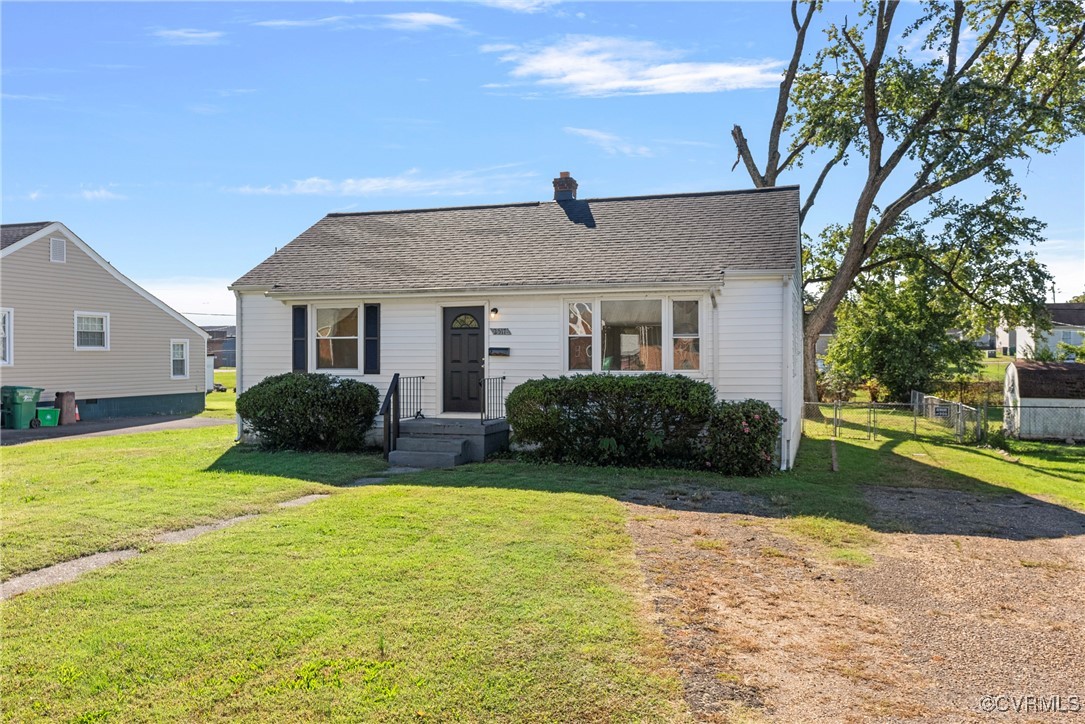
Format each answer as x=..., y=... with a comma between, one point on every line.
x=1045, y=400
x=699, y=284
x=1067, y=326
x=69, y=321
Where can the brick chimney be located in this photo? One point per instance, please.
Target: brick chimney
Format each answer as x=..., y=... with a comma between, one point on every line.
x=564, y=187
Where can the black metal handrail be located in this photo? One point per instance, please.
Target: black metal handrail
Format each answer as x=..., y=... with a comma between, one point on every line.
x=411, y=396
x=390, y=413
x=492, y=402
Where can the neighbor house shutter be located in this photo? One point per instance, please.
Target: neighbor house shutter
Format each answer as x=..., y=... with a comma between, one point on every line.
x=301, y=339
x=372, y=339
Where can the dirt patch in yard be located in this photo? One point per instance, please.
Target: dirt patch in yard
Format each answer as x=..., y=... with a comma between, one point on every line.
x=764, y=626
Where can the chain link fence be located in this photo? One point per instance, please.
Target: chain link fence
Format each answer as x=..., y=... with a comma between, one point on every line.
x=934, y=418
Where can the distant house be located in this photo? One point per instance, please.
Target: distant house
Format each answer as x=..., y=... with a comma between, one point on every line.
x=700, y=284
x=71, y=322
x=222, y=345
x=1067, y=326
x=1045, y=400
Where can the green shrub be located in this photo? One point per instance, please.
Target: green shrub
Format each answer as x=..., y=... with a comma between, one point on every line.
x=317, y=412
x=741, y=438
x=633, y=420
x=642, y=420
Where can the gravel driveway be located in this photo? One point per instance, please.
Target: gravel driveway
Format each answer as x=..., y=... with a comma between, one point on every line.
x=763, y=626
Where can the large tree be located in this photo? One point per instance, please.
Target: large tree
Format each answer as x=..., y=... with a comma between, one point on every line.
x=955, y=93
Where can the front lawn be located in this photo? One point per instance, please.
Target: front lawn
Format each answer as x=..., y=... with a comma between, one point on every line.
x=222, y=404
x=66, y=498
x=396, y=603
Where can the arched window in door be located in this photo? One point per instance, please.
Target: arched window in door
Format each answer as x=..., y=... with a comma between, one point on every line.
x=465, y=321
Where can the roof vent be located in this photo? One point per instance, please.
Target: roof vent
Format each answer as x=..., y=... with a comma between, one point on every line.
x=564, y=187
x=58, y=250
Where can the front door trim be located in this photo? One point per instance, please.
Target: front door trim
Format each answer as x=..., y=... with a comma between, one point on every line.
x=462, y=358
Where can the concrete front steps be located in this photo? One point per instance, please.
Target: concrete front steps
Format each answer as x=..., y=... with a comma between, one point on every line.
x=442, y=442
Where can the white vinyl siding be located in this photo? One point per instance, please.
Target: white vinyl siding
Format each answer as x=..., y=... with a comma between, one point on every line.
x=92, y=331
x=743, y=339
x=7, y=331
x=750, y=344
x=178, y=359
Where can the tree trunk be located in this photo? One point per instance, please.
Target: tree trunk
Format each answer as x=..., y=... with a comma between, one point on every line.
x=810, y=363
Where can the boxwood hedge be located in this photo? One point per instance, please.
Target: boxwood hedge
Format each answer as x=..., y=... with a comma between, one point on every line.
x=300, y=411
x=642, y=420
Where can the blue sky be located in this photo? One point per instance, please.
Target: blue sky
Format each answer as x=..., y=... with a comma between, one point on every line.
x=186, y=141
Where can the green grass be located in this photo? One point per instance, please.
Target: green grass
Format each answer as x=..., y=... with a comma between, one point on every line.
x=504, y=591
x=396, y=603
x=65, y=498
x=222, y=404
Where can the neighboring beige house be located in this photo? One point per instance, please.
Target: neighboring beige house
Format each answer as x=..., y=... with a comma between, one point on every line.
x=701, y=284
x=70, y=321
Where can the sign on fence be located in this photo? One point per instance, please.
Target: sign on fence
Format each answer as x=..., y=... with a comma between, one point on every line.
x=941, y=410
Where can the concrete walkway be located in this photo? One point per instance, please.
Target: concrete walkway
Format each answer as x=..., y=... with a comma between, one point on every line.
x=71, y=570
x=114, y=426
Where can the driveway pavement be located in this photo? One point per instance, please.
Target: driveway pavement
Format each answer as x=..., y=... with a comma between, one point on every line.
x=114, y=426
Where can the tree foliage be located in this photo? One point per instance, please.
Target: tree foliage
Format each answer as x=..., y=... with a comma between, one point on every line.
x=894, y=332
x=966, y=90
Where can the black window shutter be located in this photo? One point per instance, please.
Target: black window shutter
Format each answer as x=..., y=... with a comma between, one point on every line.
x=300, y=338
x=372, y=365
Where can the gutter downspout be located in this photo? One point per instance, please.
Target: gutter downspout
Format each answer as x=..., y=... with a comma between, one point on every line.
x=238, y=384
x=786, y=381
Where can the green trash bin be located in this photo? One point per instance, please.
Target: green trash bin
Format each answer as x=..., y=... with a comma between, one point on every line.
x=20, y=406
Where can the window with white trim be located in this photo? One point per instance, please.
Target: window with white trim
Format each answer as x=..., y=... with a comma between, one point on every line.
x=686, y=334
x=632, y=332
x=580, y=326
x=178, y=359
x=652, y=334
x=1067, y=336
x=337, y=338
x=91, y=331
x=58, y=250
x=7, y=320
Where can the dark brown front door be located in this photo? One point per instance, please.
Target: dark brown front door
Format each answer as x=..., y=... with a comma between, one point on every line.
x=463, y=358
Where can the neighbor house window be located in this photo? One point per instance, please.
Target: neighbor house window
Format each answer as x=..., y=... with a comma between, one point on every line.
x=685, y=320
x=179, y=359
x=7, y=319
x=337, y=338
x=1067, y=336
x=91, y=331
x=632, y=335
x=580, y=336
x=58, y=250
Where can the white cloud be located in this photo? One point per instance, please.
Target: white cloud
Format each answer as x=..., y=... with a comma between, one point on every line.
x=412, y=181
x=204, y=300
x=101, y=194
x=602, y=66
x=419, y=21
x=609, y=142
x=19, y=97
x=310, y=23
x=394, y=21
x=190, y=36
x=204, y=109
x=520, y=6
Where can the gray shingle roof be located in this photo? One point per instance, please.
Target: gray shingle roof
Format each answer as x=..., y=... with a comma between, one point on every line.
x=1069, y=313
x=11, y=233
x=629, y=240
x=1051, y=380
